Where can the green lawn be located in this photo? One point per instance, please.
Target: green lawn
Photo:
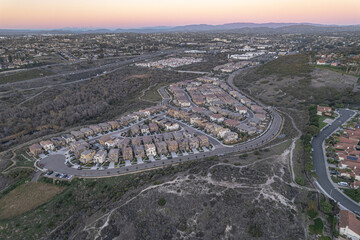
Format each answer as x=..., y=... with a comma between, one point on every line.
x=24, y=75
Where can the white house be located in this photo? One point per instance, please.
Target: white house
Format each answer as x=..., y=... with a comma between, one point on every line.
x=150, y=149
x=47, y=145
x=100, y=156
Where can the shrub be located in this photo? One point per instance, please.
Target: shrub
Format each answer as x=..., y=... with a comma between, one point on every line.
x=317, y=227
x=300, y=181
x=162, y=202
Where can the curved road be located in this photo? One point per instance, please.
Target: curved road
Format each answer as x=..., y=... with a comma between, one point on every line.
x=320, y=164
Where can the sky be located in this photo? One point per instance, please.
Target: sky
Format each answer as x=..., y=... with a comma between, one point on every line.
x=50, y=14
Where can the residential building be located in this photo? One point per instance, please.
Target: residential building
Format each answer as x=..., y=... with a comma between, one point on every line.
x=139, y=151
x=153, y=127
x=127, y=153
x=183, y=144
x=136, y=141
x=104, y=139
x=95, y=128
x=193, y=142
x=105, y=127
x=134, y=130
x=114, y=155
x=145, y=129
x=87, y=156
x=203, y=141
x=100, y=156
x=172, y=145
x=36, y=149
x=77, y=134
x=231, y=137
x=47, y=145
x=349, y=225
x=68, y=138
x=58, y=141
x=161, y=147
x=150, y=149
x=114, y=124
x=87, y=131
x=323, y=110
x=147, y=140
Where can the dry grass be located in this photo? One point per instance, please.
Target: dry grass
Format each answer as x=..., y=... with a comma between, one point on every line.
x=25, y=198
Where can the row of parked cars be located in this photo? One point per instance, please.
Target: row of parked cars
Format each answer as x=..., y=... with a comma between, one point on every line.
x=58, y=175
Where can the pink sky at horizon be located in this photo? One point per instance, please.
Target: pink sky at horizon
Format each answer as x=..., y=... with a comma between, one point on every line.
x=47, y=14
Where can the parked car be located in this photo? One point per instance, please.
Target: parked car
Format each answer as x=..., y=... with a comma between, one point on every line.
x=344, y=184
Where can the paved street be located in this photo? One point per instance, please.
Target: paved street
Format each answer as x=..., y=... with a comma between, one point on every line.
x=320, y=164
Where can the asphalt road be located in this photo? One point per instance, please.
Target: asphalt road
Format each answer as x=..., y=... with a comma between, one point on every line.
x=320, y=164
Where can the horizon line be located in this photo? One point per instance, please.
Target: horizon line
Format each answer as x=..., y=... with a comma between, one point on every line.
x=172, y=26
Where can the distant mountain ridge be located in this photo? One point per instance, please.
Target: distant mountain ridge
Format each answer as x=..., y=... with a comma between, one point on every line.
x=236, y=27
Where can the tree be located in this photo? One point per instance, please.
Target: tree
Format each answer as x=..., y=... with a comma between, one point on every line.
x=312, y=130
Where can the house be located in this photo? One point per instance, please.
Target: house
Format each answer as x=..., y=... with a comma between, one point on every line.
x=203, y=141
x=193, y=119
x=87, y=156
x=136, y=141
x=104, y=139
x=217, y=118
x=158, y=138
x=78, y=147
x=105, y=127
x=127, y=153
x=139, y=151
x=231, y=123
x=145, y=129
x=112, y=142
x=114, y=124
x=230, y=137
x=171, y=126
x=260, y=116
x=243, y=128
x=68, y=138
x=193, y=142
x=134, y=130
x=77, y=134
x=58, y=141
x=349, y=225
x=222, y=131
x=168, y=136
x=172, y=145
x=35, y=149
x=147, y=140
x=322, y=110
x=87, y=131
x=178, y=135
x=100, y=156
x=150, y=149
x=183, y=144
x=47, y=145
x=95, y=128
x=114, y=155
x=241, y=109
x=123, y=143
x=161, y=147
x=153, y=127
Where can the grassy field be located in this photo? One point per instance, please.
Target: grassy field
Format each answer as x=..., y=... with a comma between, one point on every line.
x=26, y=197
x=20, y=76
